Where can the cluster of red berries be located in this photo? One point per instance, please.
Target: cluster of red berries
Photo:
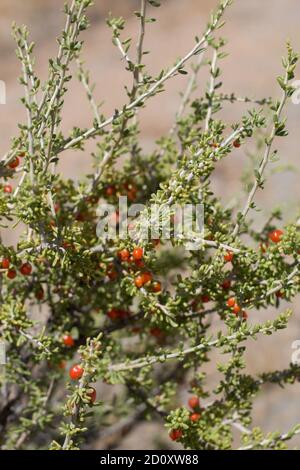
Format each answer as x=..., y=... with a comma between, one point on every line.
x=194, y=404
x=118, y=314
x=236, y=309
x=25, y=268
x=135, y=258
x=13, y=164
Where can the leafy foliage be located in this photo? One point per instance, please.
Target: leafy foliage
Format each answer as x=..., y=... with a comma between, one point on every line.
x=144, y=318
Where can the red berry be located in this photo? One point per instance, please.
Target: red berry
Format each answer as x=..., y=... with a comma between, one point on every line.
x=194, y=402
x=279, y=294
x=14, y=163
x=276, y=236
x=92, y=394
x=7, y=189
x=112, y=275
x=226, y=284
x=156, y=332
x=175, y=434
x=244, y=315
x=40, y=294
x=138, y=253
x=237, y=143
x=205, y=298
x=156, y=286
x=147, y=277
x=131, y=194
x=194, y=417
x=228, y=257
x=11, y=274
x=139, y=263
x=110, y=190
x=26, y=269
x=139, y=281
x=124, y=255
x=236, y=309
x=76, y=372
x=68, y=341
x=231, y=302
x=5, y=263
x=113, y=314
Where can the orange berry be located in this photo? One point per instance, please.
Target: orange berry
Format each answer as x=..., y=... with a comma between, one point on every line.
x=276, y=235
x=231, y=302
x=194, y=417
x=68, y=341
x=138, y=253
x=175, y=434
x=147, y=277
x=194, y=402
x=236, y=309
x=139, y=281
x=156, y=286
x=14, y=163
x=124, y=255
x=7, y=188
x=228, y=257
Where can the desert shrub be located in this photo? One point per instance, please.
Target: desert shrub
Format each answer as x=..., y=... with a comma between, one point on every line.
x=81, y=306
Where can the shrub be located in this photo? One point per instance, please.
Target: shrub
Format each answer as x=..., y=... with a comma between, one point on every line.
x=144, y=315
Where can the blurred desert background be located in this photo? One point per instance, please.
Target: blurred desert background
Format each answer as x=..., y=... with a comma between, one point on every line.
x=256, y=31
